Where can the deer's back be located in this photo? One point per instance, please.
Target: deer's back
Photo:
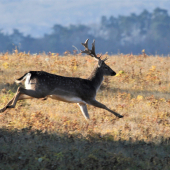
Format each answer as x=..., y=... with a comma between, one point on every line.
x=47, y=82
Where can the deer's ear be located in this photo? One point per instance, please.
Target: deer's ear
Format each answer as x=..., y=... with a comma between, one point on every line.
x=100, y=63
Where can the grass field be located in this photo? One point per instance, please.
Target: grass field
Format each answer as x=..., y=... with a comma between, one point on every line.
x=50, y=134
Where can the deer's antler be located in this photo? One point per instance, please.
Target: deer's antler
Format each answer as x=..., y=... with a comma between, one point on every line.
x=92, y=51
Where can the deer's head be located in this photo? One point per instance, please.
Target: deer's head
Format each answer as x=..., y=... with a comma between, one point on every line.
x=102, y=66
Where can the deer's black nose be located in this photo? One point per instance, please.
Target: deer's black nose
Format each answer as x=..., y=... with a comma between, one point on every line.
x=113, y=73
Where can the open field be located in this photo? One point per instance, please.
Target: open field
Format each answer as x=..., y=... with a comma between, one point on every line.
x=49, y=134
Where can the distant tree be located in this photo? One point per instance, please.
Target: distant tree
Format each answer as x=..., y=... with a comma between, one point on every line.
x=145, y=21
x=113, y=22
x=5, y=42
x=63, y=38
x=16, y=37
x=160, y=23
x=104, y=21
x=128, y=24
x=28, y=43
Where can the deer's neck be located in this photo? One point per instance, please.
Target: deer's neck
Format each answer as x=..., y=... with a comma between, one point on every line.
x=96, y=77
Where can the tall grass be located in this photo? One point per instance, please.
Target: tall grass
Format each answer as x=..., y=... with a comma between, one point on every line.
x=50, y=134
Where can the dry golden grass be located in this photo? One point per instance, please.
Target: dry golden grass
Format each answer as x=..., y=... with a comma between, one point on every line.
x=140, y=91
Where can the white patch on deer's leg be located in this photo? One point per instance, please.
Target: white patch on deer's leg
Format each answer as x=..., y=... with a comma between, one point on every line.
x=84, y=110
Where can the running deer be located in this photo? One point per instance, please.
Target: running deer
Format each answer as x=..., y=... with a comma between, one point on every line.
x=40, y=84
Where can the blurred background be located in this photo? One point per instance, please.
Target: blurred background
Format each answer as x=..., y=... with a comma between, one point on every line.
x=118, y=26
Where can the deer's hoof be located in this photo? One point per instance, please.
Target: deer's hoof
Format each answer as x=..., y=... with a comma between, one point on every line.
x=2, y=110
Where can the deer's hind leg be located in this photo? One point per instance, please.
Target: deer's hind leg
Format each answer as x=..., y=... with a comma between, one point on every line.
x=5, y=107
x=13, y=101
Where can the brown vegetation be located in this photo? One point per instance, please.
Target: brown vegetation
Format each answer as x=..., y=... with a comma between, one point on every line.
x=48, y=134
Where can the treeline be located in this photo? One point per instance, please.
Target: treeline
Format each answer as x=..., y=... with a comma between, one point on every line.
x=124, y=34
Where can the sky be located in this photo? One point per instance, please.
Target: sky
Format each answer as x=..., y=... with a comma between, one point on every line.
x=37, y=17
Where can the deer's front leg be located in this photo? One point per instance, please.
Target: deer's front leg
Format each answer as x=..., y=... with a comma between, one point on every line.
x=84, y=110
x=100, y=105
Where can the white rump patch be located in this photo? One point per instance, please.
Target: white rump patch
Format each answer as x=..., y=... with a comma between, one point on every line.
x=27, y=75
x=27, y=81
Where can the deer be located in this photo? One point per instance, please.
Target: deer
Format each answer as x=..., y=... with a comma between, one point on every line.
x=43, y=85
